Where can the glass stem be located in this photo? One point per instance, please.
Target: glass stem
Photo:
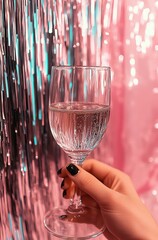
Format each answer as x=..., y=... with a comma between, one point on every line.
x=75, y=201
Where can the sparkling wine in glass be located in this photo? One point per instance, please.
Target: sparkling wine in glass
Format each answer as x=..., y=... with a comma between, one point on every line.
x=79, y=110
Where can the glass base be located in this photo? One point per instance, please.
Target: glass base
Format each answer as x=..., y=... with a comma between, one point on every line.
x=83, y=224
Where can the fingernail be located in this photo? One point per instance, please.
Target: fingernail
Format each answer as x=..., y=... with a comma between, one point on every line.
x=73, y=170
x=62, y=184
x=64, y=193
x=59, y=171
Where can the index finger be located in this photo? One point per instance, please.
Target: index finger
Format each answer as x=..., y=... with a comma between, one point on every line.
x=111, y=177
x=101, y=170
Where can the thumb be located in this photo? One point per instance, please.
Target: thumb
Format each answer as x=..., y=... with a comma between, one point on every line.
x=90, y=184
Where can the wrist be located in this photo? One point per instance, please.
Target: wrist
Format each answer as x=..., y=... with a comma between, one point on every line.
x=152, y=234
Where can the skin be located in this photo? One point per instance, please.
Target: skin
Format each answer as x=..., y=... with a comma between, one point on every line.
x=112, y=192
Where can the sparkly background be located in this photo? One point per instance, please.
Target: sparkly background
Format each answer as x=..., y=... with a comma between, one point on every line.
x=37, y=34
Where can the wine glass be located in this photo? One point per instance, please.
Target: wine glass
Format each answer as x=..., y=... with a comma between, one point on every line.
x=79, y=110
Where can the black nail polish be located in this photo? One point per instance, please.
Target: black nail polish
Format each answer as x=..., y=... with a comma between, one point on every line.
x=73, y=170
x=62, y=184
x=64, y=193
x=59, y=171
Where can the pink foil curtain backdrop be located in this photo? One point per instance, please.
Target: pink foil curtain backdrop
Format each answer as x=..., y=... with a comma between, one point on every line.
x=34, y=35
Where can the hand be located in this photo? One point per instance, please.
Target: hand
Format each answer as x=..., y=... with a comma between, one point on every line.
x=112, y=192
